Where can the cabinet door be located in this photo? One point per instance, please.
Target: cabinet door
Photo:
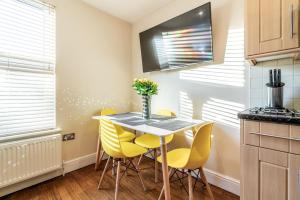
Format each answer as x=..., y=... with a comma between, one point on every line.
x=250, y=173
x=290, y=23
x=270, y=30
x=294, y=177
x=273, y=182
x=252, y=27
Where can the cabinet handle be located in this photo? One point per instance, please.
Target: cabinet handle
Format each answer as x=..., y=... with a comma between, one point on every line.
x=274, y=136
x=291, y=13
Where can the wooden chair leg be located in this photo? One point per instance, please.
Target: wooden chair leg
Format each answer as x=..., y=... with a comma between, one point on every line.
x=97, y=166
x=103, y=173
x=101, y=157
x=206, y=183
x=113, y=168
x=155, y=166
x=98, y=154
x=124, y=160
x=117, y=180
x=139, y=174
x=161, y=193
x=162, y=189
x=140, y=160
x=190, y=180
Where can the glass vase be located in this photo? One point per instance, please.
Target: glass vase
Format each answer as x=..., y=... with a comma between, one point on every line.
x=146, y=100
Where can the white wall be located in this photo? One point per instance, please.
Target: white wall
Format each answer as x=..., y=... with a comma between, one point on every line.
x=212, y=92
x=93, y=71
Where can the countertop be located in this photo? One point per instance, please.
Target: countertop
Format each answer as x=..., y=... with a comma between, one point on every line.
x=291, y=118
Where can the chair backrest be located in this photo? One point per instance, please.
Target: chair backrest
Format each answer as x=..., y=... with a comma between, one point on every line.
x=166, y=112
x=110, y=139
x=108, y=111
x=201, y=147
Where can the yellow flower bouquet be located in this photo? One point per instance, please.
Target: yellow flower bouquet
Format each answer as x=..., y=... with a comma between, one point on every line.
x=146, y=88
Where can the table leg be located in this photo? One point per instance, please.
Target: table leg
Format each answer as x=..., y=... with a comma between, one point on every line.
x=163, y=149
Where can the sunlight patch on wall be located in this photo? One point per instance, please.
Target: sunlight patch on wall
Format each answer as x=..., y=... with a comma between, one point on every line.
x=231, y=72
x=186, y=110
x=222, y=111
x=185, y=106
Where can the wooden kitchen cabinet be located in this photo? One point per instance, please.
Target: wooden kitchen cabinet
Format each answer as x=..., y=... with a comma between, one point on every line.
x=262, y=178
x=250, y=173
x=267, y=171
x=294, y=177
x=272, y=27
x=273, y=181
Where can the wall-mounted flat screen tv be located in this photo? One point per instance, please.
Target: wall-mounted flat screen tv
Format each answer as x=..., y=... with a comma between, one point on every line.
x=179, y=42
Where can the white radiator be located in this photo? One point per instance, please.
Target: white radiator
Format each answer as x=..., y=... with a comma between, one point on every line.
x=24, y=159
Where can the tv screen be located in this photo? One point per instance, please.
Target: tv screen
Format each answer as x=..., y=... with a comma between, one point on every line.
x=179, y=42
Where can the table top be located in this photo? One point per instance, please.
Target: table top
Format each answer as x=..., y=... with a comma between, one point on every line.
x=157, y=125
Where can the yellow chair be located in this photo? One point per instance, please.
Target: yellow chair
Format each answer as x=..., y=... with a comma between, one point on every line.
x=125, y=136
x=192, y=158
x=118, y=150
x=152, y=142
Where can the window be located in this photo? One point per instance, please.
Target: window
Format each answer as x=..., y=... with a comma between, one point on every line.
x=27, y=67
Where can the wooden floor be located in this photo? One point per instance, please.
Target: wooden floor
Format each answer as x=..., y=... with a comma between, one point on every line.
x=82, y=184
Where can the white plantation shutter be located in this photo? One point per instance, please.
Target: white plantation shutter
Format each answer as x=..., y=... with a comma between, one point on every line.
x=27, y=67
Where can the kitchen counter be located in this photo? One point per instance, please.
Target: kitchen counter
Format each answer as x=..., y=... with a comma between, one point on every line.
x=290, y=117
x=270, y=155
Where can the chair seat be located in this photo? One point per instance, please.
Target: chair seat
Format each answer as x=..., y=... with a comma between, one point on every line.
x=151, y=141
x=126, y=136
x=177, y=158
x=132, y=150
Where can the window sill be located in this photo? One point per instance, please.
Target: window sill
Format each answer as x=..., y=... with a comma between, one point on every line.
x=28, y=135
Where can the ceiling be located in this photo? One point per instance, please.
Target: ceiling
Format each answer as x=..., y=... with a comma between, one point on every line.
x=128, y=10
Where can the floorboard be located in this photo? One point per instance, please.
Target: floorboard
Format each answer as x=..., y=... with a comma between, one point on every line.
x=82, y=185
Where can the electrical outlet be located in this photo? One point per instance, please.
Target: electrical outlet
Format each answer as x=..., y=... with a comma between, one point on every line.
x=69, y=136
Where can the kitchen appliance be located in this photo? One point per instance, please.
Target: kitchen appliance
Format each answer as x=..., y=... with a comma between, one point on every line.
x=275, y=89
x=179, y=42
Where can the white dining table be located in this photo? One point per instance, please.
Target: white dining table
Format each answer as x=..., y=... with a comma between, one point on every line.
x=161, y=132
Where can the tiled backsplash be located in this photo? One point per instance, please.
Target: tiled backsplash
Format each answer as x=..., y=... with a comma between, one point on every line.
x=290, y=71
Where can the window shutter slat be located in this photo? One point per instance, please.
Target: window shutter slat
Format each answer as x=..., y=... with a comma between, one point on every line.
x=27, y=67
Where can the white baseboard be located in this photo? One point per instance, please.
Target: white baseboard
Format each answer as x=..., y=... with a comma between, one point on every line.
x=222, y=181
x=227, y=183
x=79, y=162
